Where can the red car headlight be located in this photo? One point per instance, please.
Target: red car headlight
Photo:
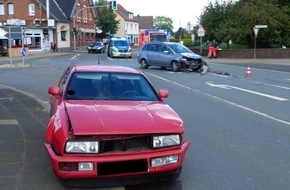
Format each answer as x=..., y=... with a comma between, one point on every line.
x=166, y=140
x=82, y=147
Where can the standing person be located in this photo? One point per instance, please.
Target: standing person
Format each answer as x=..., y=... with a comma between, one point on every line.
x=212, y=49
x=52, y=46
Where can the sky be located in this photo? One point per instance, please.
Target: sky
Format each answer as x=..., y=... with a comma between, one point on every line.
x=180, y=11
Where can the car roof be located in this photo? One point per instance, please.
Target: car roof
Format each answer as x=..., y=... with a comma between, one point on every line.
x=156, y=42
x=104, y=68
x=166, y=43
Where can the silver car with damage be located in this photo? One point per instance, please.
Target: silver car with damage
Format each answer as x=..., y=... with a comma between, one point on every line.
x=169, y=55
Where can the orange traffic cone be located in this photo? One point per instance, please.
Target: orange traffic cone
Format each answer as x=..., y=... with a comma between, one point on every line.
x=248, y=73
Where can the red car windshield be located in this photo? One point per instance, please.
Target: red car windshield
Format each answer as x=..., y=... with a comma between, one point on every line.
x=110, y=86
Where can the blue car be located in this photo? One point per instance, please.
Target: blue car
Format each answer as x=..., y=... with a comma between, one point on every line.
x=169, y=55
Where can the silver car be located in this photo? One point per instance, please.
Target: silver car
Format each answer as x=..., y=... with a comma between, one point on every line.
x=169, y=55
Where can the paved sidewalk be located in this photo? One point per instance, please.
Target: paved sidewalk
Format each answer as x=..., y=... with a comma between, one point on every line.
x=284, y=61
x=35, y=55
x=4, y=60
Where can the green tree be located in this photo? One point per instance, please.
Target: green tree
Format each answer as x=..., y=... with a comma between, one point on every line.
x=108, y=22
x=235, y=21
x=249, y=13
x=216, y=21
x=163, y=22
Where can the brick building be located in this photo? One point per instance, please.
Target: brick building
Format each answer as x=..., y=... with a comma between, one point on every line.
x=49, y=22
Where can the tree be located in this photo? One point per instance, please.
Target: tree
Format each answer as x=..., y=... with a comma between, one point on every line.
x=107, y=20
x=163, y=22
x=249, y=13
x=216, y=21
x=235, y=21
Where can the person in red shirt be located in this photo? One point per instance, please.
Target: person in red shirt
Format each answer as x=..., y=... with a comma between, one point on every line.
x=212, y=49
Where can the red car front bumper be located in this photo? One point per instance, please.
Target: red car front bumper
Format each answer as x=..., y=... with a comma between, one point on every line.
x=116, y=165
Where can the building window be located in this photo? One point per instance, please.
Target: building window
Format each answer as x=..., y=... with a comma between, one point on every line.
x=63, y=35
x=31, y=8
x=10, y=9
x=1, y=9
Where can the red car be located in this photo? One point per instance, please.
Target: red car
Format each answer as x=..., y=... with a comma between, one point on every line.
x=109, y=122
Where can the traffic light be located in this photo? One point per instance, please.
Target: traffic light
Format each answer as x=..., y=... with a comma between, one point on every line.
x=180, y=30
x=74, y=31
x=113, y=5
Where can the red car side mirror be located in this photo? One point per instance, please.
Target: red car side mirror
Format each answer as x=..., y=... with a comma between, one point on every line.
x=163, y=93
x=54, y=90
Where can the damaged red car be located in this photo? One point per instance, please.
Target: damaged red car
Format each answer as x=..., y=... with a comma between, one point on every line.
x=109, y=122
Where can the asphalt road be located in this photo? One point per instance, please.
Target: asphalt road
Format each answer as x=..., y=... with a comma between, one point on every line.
x=238, y=125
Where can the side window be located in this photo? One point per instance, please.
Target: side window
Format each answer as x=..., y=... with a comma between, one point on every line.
x=63, y=78
x=162, y=48
x=146, y=47
x=152, y=47
x=157, y=47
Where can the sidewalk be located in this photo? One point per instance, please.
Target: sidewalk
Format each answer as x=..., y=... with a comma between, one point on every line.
x=35, y=55
x=4, y=60
x=282, y=61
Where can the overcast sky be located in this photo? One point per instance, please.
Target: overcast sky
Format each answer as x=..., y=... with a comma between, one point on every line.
x=180, y=11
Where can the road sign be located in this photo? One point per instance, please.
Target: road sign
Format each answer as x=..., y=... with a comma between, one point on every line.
x=3, y=32
x=15, y=32
x=261, y=26
x=200, y=31
x=23, y=52
x=256, y=30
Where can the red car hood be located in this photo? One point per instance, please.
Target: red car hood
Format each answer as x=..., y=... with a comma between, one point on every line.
x=122, y=117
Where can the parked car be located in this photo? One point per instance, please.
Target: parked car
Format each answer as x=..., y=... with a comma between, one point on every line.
x=96, y=47
x=109, y=122
x=169, y=55
x=119, y=47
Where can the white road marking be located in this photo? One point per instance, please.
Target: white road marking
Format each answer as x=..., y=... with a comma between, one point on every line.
x=246, y=90
x=8, y=122
x=226, y=101
x=74, y=57
x=278, y=86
